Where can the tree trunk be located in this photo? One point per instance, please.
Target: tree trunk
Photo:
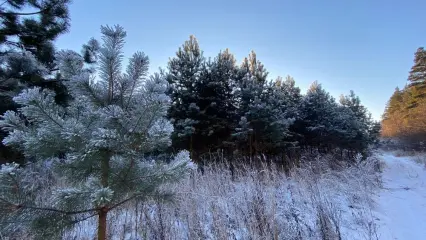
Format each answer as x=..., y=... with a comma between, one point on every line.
x=102, y=224
x=103, y=212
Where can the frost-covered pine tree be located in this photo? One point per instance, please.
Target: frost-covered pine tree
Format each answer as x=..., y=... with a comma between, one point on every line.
x=93, y=155
x=184, y=71
x=364, y=129
x=318, y=116
x=247, y=92
x=214, y=91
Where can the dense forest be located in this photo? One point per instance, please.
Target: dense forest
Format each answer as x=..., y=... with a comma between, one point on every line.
x=405, y=113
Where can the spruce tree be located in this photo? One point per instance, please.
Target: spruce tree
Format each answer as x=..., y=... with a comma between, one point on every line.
x=107, y=136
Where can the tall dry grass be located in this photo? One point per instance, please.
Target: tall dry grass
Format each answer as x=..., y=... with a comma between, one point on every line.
x=315, y=201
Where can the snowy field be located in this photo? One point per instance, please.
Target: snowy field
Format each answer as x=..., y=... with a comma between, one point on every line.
x=313, y=203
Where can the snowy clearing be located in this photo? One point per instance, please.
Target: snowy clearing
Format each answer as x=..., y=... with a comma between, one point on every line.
x=401, y=211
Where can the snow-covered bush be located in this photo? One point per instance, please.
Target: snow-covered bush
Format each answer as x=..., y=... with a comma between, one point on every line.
x=99, y=150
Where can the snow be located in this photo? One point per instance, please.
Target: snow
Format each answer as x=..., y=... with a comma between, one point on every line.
x=401, y=206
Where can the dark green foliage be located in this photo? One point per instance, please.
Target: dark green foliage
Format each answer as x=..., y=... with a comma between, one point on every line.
x=214, y=92
x=360, y=123
x=318, y=112
x=218, y=105
x=29, y=27
x=33, y=30
x=184, y=71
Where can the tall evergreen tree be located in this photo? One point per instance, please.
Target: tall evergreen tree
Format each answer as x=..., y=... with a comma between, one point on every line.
x=27, y=51
x=318, y=114
x=404, y=115
x=418, y=71
x=214, y=91
x=417, y=78
x=250, y=84
x=291, y=106
x=359, y=134
x=34, y=30
x=108, y=134
x=184, y=72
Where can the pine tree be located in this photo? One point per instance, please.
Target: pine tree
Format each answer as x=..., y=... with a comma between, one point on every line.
x=390, y=120
x=214, y=92
x=318, y=115
x=417, y=79
x=291, y=105
x=418, y=71
x=250, y=84
x=100, y=149
x=27, y=51
x=254, y=67
x=35, y=30
x=404, y=115
x=184, y=72
x=360, y=124
x=271, y=119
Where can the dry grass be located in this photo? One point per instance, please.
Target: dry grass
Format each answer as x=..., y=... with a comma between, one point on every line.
x=255, y=203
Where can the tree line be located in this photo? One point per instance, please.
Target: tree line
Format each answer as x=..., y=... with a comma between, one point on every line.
x=218, y=104
x=405, y=113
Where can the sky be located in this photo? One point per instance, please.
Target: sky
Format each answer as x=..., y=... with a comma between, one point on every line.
x=365, y=45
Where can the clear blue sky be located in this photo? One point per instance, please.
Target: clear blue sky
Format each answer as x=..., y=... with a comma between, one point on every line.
x=364, y=45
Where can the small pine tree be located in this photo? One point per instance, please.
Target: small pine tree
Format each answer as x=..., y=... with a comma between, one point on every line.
x=100, y=149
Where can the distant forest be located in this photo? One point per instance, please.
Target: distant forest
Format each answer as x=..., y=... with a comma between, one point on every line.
x=405, y=113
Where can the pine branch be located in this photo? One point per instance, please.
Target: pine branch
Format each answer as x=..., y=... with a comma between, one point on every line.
x=85, y=218
x=46, y=114
x=124, y=201
x=19, y=206
x=22, y=14
x=127, y=200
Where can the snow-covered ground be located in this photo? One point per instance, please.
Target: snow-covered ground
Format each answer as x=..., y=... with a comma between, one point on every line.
x=351, y=203
x=401, y=209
